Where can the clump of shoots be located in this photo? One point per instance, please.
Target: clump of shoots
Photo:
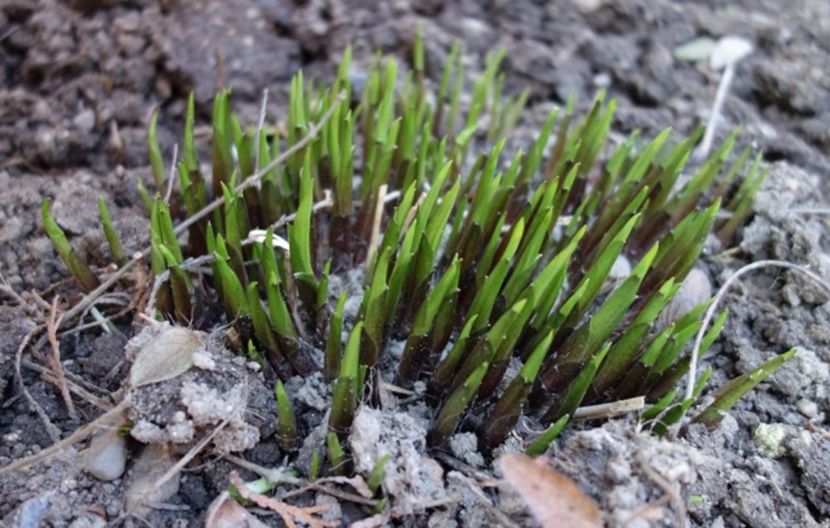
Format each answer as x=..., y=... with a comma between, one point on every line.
x=470, y=256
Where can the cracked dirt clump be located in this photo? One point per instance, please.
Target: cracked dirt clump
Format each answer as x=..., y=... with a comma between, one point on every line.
x=634, y=476
x=220, y=388
x=412, y=478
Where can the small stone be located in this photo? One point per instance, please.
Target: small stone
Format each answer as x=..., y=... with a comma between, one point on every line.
x=806, y=407
x=695, y=289
x=107, y=456
x=769, y=438
x=588, y=6
x=85, y=121
x=620, y=270
x=618, y=471
x=790, y=295
x=465, y=447
x=602, y=80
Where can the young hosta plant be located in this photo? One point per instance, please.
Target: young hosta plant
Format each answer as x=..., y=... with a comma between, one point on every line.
x=475, y=260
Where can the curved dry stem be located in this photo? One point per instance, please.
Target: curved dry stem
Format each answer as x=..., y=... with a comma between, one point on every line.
x=710, y=313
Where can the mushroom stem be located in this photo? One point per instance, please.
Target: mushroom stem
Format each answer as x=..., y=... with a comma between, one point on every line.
x=714, y=115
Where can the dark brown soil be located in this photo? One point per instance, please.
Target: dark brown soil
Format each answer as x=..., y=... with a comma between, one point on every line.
x=80, y=78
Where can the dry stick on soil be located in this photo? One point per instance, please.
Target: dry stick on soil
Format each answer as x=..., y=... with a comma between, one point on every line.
x=410, y=216
x=278, y=476
x=6, y=288
x=378, y=216
x=99, y=320
x=710, y=313
x=218, y=202
x=48, y=376
x=171, y=178
x=810, y=210
x=342, y=495
x=55, y=359
x=260, y=124
x=610, y=410
x=71, y=379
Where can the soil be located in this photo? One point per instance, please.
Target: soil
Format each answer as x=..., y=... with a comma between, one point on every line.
x=78, y=83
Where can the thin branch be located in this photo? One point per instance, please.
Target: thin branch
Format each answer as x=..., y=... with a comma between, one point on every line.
x=610, y=410
x=6, y=288
x=171, y=177
x=810, y=210
x=55, y=358
x=47, y=375
x=254, y=178
x=259, y=125
x=377, y=217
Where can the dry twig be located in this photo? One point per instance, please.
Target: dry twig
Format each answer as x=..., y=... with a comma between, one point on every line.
x=610, y=409
x=55, y=359
x=376, y=219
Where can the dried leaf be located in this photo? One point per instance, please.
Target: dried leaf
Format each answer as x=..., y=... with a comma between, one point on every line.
x=166, y=356
x=553, y=499
x=289, y=513
x=225, y=512
x=357, y=483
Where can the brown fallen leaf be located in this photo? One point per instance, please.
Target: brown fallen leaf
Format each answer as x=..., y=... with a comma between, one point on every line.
x=225, y=512
x=289, y=513
x=553, y=499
